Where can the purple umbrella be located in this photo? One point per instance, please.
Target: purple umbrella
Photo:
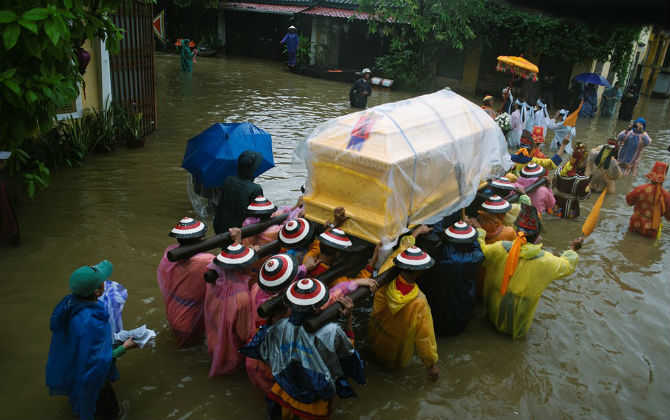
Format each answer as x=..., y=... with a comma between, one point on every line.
x=592, y=78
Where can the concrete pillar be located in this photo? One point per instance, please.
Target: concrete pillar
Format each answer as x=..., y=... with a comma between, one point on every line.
x=105, y=76
x=471, y=64
x=658, y=62
x=221, y=27
x=314, y=40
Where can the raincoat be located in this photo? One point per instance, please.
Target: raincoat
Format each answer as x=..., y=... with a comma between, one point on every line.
x=228, y=320
x=528, y=117
x=609, y=100
x=80, y=361
x=183, y=288
x=642, y=197
x=513, y=313
x=542, y=198
x=238, y=192
x=114, y=298
x=590, y=105
x=514, y=135
x=291, y=40
x=356, y=97
x=542, y=119
x=309, y=369
x=630, y=152
x=399, y=323
x=628, y=102
x=186, y=56
x=560, y=132
x=314, y=251
x=602, y=178
x=450, y=286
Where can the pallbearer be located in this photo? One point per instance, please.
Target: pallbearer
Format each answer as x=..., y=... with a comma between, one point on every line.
x=182, y=286
x=401, y=319
x=228, y=319
x=518, y=272
x=450, y=285
x=651, y=203
x=491, y=216
x=308, y=368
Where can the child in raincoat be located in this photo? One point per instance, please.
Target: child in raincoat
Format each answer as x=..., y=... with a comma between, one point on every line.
x=518, y=272
x=228, y=319
x=81, y=361
x=182, y=286
x=401, y=319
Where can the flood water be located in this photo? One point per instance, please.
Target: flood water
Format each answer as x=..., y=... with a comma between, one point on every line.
x=598, y=347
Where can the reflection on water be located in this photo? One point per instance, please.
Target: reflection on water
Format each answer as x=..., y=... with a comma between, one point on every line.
x=598, y=346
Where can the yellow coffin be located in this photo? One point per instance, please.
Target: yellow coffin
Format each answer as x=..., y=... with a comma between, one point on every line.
x=400, y=164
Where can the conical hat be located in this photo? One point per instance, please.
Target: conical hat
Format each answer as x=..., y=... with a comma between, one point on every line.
x=496, y=204
x=235, y=257
x=306, y=295
x=532, y=170
x=261, y=206
x=296, y=233
x=336, y=238
x=277, y=272
x=188, y=228
x=502, y=183
x=413, y=258
x=460, y=232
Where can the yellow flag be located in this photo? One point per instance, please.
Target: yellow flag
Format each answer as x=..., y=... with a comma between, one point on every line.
x=571, y=119
x=590, y=221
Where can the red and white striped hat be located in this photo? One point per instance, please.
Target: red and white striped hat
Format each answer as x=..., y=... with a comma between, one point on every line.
x=496, y=204
x=502, y=183
x=336, y=238
x=188, y=228
x=296, y=233
x=533, y=170
x=413, y=258
x=235, y=257
x=460, y=232
x=306, y=295
x=277, y=272
x=261, y=206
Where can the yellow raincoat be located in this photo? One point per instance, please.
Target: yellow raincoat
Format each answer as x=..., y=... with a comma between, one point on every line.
x=513, y=313
x=550, y=164
x=399, y=323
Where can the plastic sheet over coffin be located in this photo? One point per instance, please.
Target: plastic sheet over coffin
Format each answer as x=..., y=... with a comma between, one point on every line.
x=400, y=164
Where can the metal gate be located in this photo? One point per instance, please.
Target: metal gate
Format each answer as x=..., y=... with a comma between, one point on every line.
x=132, y=69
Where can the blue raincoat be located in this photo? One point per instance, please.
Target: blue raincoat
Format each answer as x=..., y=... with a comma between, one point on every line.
x=450, y=286
x=308, y=366
x=80, y=357
x=291, y=41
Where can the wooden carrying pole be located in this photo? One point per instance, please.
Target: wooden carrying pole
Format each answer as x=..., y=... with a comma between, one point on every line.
x=331, y=313
x=222, y=239
x=276, y=303
x=267, y=249
x=532, y=187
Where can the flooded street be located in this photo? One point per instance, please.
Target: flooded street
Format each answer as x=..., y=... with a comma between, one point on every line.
x=598, y=347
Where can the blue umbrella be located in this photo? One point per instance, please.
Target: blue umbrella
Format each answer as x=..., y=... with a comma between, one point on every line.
x=212, y=155
x=592, y=78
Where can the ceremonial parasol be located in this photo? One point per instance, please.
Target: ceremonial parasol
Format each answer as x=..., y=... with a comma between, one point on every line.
x=593, y=78
x=518, y=66
x=212, y=155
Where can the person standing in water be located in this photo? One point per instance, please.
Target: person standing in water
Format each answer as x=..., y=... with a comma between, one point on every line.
x=361, y=89
x=291, y=40
x=186, y=56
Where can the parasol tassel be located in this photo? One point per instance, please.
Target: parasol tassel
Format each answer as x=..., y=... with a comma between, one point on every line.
x=590, y=222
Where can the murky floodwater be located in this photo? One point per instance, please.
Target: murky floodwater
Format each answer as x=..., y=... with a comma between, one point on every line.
x=598, y=347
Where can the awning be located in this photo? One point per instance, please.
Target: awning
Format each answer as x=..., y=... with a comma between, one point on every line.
x=336, y=13
x=264, y=8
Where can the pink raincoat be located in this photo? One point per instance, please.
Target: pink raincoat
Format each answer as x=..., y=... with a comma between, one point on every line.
x=228, y=320
x=541, y=198
x=183, y=288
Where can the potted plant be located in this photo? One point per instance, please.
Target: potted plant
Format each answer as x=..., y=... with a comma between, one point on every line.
x=133, y=122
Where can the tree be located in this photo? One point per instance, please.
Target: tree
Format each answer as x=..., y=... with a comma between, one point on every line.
x=39, y=66
x=420, y=29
